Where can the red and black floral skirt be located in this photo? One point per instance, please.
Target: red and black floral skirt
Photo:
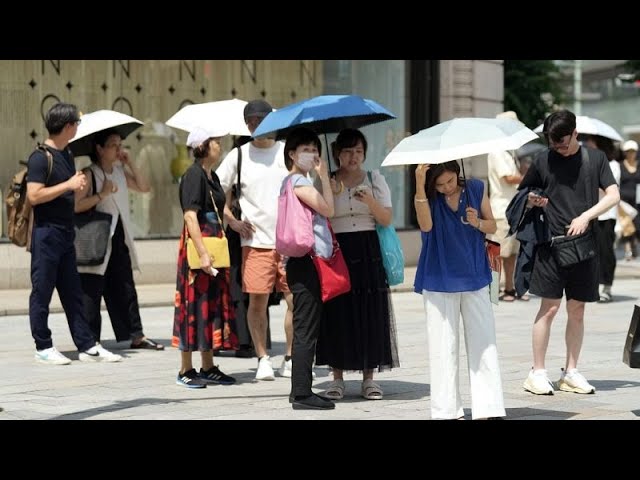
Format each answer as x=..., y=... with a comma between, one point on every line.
x=204, y=316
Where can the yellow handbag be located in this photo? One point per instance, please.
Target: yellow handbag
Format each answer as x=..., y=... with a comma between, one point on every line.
x=218, y=247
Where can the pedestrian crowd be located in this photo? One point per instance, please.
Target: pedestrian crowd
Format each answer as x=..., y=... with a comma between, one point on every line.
x=549, y=218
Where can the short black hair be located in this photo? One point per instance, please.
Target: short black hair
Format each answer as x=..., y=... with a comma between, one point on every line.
x=100, y=138
x=295, y=138
x=558, y=125
x=60, y=115
x=348, y=138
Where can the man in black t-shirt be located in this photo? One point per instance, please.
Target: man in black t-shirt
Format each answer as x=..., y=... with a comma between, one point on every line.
x=53, y=257
x=571, y=206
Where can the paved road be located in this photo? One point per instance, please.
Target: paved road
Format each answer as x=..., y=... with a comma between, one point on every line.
x=143, y=387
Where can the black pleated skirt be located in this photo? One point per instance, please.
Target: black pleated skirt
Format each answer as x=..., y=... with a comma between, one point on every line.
x=358, y=328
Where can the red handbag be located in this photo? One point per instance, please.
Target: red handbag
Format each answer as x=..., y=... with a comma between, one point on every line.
x=495, y=263
x=493, y=254
x=332, y=272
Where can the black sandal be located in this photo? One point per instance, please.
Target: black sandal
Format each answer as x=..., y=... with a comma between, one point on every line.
x=508, y=296
x=148, y=344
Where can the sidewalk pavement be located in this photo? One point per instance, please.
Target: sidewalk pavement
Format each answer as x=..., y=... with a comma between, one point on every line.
x=142, y=386
x=16, y=302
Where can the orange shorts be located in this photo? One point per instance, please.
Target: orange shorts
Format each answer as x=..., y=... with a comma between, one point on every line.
x=262, y=268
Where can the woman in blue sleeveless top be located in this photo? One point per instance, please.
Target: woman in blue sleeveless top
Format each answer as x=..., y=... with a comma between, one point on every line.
x=453, y=276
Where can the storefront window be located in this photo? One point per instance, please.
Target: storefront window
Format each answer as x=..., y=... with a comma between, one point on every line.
x=383, y=81
x=153, y=91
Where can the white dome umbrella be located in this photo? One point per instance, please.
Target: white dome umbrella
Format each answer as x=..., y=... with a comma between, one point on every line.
x=591, y=126
x=229, y=112
x=94, y=122
x=458, y=139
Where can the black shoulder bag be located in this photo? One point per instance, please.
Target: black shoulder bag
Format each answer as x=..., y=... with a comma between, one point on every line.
x=631, y=352
x=571, y=250
x=93, y=233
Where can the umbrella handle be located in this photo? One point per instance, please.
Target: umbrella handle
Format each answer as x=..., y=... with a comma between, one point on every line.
x=326, y=142
x=466, y=190
x=464, y=179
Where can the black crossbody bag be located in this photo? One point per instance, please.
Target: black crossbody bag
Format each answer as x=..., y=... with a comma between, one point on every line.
x=571, y=250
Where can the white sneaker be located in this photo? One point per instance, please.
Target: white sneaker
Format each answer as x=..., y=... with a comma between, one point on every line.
x=98, y=353
x=285, y=369
x=51, y=356
x=537, y=382
x=573, y=381
x=265, y=369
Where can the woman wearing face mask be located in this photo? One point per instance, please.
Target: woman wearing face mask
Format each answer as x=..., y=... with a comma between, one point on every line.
x=358, y=328
x=301, y=155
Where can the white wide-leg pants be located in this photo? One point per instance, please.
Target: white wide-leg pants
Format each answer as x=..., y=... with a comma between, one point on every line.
x=443, y=328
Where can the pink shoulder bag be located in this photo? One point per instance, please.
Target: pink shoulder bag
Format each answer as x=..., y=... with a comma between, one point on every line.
x=294, y=226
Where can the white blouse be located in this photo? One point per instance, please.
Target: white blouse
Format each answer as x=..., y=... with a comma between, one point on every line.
x=352, y=215
x=117, y=204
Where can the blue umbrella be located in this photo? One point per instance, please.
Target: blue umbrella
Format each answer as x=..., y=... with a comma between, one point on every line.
x=323, y=114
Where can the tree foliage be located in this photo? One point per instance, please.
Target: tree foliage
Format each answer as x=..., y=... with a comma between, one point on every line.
x=531, y=89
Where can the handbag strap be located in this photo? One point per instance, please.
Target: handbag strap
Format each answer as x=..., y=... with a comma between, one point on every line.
x=371, y=182
x=373, y=190
x=93, y=188
x=587, y=175
x=218, y=215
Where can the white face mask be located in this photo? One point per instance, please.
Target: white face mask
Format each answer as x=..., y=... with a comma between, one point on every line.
x=306, y=161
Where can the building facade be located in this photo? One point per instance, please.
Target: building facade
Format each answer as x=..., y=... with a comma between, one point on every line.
x=420, y=93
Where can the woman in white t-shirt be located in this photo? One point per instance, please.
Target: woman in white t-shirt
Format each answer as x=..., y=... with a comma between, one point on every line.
x=358, y=328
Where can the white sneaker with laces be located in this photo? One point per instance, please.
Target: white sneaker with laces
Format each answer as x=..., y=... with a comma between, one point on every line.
x=573, y=381
x=265, y=369
x=285, y=369
x=538, y=382
x=98, y=353
x=51, y=356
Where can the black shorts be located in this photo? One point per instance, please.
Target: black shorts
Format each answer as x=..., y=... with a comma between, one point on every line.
x=548, y=280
